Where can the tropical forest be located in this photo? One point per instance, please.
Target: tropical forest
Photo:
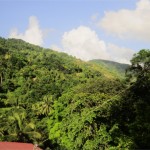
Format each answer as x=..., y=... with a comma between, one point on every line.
x=63, y=103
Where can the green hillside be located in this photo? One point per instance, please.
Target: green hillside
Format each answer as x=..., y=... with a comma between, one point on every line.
x=63, y=103
x=114, y=67
x=32, y=79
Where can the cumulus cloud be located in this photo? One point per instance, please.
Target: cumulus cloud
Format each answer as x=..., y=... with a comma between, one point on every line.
x=128, y=23
x=85, y=44
x=33, y=34
x=119, y=54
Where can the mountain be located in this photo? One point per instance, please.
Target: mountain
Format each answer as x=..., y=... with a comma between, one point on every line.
x=60, y=102
x=36, y=82
x=116, y=68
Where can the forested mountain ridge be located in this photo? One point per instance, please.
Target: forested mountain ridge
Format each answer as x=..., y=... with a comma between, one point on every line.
x=31, y=77
x=15, y=45
x=63, y=103
x=114, y=67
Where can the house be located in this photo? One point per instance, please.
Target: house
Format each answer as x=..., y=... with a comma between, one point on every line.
x=18, y=146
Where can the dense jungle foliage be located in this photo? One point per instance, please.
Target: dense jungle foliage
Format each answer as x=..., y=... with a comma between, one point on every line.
x=63, y=103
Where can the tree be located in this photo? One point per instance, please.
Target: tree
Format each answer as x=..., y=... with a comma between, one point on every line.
x=43, y=107
x=136, y=100
x=139, y=70
x=21, y=129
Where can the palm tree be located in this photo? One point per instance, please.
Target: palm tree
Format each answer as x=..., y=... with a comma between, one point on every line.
x=47, y=104
x=43, y=107
x=21, y=129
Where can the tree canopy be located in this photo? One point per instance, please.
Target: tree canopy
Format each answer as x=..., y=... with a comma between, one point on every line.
x=63, y=103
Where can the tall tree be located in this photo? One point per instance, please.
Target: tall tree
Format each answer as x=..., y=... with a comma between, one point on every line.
x=137, y=99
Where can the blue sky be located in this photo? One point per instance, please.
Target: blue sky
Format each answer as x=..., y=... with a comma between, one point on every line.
x=87, y=29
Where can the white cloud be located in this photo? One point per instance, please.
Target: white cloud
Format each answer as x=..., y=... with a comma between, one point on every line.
x=33, y=33
x=119, y=54
x=85, y=44
x=132, y=24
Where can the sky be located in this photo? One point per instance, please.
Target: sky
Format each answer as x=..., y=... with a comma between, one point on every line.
x=87, y=29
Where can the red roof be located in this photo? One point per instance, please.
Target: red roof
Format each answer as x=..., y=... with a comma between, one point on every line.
x=17, y=146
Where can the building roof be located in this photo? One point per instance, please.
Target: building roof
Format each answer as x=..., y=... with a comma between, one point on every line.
x=17, y=146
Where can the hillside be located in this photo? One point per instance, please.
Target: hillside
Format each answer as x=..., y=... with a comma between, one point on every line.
x=63, y=103
x=114, y=67
x=32, y=80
